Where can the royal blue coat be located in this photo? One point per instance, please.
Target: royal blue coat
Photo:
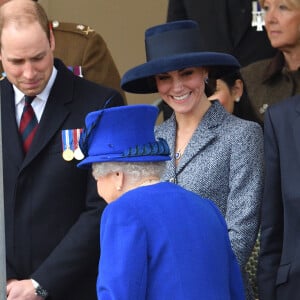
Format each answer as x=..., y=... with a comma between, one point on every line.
x=164, y=242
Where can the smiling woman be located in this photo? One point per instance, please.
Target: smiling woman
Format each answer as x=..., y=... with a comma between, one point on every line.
x=182, y=89
x=214, y=154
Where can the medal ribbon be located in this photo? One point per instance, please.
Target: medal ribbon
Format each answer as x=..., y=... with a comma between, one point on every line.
x=67, y=139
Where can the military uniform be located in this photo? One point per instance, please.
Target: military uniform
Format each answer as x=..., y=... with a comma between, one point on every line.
x=79, y=45
x=268, y=81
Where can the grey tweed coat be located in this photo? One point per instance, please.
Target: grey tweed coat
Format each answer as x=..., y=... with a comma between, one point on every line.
x=223, y=162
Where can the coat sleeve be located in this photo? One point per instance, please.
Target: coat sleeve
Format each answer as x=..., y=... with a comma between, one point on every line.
x=272, y=216
x=123, y=264
x=246, y=187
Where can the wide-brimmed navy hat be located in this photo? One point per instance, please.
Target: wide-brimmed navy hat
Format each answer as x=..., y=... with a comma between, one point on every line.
x=122, y=134
x=173, y=46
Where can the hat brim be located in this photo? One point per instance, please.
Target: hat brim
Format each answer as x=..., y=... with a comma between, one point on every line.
x=87, y=162
x=140, y=79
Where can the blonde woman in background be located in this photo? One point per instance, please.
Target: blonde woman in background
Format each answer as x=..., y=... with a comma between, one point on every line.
x=272, y=80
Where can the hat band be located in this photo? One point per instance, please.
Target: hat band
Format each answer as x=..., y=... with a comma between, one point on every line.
x=159, y=147
x=173, y=42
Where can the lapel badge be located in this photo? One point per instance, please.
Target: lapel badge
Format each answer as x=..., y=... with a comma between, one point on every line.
x=88, y=30
x=263, y=108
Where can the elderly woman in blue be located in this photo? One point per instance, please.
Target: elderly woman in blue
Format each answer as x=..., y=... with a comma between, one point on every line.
x=158, y=240
x=214, y=154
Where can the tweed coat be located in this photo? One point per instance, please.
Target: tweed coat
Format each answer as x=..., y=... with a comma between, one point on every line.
x=269, y=82
x=166, y=247
x=279, y=260
x=223, y=162
x=52, y=208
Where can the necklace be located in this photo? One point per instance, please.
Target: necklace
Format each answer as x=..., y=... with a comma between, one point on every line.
x=178, y=155
x=180, y=151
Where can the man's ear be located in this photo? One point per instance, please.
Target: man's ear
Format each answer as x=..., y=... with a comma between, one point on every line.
x=52, y=40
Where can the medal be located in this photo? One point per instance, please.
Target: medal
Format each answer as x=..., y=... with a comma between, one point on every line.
x=68, y=146
x=257, y=16
x=77, y=152
x=68, y=154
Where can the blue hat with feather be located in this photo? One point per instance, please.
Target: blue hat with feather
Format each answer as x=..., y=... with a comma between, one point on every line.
x=122, y=134
x=174, y=46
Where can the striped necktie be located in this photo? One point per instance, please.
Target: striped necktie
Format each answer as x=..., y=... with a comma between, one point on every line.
x=28, y=123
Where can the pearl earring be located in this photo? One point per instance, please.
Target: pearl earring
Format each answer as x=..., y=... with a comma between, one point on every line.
x=237, y=99
x=118, y=188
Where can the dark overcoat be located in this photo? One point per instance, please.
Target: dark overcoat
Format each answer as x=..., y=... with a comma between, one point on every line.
x=52, y=209
x=279, y=263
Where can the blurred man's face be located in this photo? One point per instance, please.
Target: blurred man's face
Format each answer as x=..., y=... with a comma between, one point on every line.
x=3, y=1
x=27, y=57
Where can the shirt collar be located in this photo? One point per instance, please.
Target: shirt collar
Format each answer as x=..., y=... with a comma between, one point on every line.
x=43, y=95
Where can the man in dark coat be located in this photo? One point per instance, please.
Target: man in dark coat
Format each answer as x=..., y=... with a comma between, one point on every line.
x=52, y=209
x=279, y=268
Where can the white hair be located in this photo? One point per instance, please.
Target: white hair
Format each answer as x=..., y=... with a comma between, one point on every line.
x=135, y=171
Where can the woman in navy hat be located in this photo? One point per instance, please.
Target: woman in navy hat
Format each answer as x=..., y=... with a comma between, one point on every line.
x=214, y=153
x=158, y=240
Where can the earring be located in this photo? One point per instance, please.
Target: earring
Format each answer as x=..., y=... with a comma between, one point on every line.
x=237, y=99
x=119, y=188
x=206, y=80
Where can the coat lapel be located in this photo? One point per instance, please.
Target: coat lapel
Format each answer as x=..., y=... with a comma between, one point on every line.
x=296, y=130
x=55, y=112
x=204, y=135
x=12, y=146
